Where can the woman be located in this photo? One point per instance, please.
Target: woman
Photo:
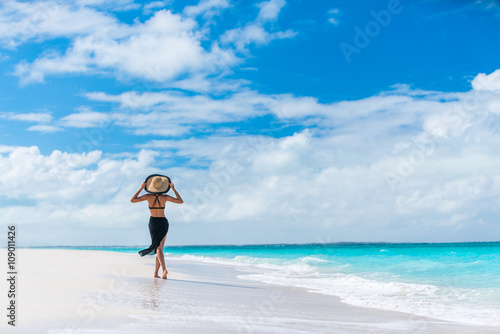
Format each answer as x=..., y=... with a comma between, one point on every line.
x=158, y=224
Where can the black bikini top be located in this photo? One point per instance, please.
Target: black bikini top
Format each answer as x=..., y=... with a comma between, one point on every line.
x=157, y=201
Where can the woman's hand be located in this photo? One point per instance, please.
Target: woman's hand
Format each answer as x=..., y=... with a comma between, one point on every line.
x=172, y=185
x=143, y=185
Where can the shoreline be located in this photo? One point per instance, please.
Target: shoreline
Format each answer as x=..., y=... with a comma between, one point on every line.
x=87, y=290
x=340, y=243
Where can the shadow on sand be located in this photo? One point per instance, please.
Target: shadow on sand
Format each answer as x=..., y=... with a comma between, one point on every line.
x=210, y=283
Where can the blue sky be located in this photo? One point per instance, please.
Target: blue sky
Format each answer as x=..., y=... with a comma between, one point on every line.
x=395, y=142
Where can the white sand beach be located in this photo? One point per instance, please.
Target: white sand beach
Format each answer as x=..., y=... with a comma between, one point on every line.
x=83, y=291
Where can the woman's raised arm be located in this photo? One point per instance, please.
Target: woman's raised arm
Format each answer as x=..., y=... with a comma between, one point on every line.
x=136, y=199
x=178, y=198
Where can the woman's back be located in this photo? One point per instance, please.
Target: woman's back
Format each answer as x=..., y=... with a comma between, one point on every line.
x=157, y=205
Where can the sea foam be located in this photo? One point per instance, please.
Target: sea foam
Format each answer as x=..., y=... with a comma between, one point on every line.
x=464, y=305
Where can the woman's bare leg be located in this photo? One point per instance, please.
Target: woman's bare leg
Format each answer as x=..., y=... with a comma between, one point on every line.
x=161, y=257
x=157, y=267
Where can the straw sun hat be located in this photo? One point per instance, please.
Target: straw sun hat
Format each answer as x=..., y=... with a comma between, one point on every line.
x=157, y=184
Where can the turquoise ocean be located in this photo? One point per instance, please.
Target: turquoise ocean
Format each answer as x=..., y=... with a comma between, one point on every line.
x=449, y=281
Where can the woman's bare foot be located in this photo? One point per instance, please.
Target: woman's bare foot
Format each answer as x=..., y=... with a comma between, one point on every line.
x=156, y=276
x=165, y=272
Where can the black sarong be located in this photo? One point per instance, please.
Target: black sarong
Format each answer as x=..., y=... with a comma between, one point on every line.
x=158, y=228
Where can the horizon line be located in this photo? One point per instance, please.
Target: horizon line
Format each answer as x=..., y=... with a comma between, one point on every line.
x=272, y=244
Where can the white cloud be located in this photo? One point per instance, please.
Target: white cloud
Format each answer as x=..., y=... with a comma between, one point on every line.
x=180, y=108
x=6, y=148
x=489, y=82
x=255, y=32
x=167, y=50
x=172, y=109
x=114, y=5
x=148, y=8
x=200, y=83
x=158, y=50
x=42, y=118
x=208, y=8
x=269, y=10
x=22, y=21
x=333, y=16
x=85, y=119
x=154, y=123
x=28, y=117
x=334, y=21
x=156, y=4
x=449, y=196
x=43, y=128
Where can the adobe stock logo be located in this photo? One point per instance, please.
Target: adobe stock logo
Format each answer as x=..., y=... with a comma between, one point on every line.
x=363, y=37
